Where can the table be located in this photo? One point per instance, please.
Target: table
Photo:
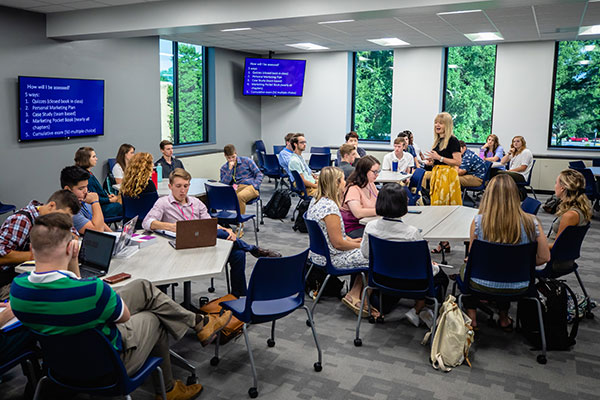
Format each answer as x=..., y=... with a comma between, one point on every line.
x=391, y=176
x=595, y=171
x=197, y=188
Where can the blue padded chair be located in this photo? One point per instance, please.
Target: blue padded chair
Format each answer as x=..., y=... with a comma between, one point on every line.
x=497, y=262
x=97, y=371
x=273, y=169
x=138, y=206
x=4, y=208
x=318, y=245
x=111, y=163
x=259, y=145
x=320, y=150
x=223, y=204
x=415, y=264
x=416, y=180
x=596, y=162
x=591, y=186
x=567, y=247
x=276, y=289
x=527, y=183
x=485, y=180
x=576, y=164
x=113, y=220
x=277, y=148
x=261, y=150
x=319, y=161
x=27, y=359
x=299, y=189
x=531, y=206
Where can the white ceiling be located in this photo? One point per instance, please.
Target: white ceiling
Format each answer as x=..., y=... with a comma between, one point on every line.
x=420, y=26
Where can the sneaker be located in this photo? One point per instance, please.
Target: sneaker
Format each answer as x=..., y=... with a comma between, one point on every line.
x=260, y=252
x=412, y=317
x=215, y=323
x=426, y=316
x=182, y=392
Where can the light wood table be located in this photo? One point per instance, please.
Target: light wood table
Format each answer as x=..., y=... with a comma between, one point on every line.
x=197, y=188
x=391, y=176
x=595, y=171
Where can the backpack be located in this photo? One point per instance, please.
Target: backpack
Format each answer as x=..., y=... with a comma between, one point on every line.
x=279, y=204
x=315, y=280
x=299, y=224
x=234, y=328
x=553, y=295
x=453, y=337
x=551, y=204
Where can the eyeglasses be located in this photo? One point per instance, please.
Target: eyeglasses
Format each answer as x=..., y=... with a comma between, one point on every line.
x=376, y=171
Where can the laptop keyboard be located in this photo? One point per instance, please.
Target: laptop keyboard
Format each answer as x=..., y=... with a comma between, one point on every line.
x=87, y=273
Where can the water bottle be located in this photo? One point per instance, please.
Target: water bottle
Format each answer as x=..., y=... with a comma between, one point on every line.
x=159, y=172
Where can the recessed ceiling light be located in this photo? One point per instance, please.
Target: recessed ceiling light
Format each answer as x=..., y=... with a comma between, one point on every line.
x=453, y=66
x=589, y=47
x=389, y=42
x=590, y=30
x=341, y=21
x=458, y=12
x=308, y=46
x=584, y=62
x=484, y=36
x=235, y=29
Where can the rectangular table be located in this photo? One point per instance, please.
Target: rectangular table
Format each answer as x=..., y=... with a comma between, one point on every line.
x=391, y=176
x=595, y=171
x=197, y=188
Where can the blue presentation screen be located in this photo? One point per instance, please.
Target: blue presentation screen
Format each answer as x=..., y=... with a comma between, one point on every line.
x=54, y=108
x=272, y=77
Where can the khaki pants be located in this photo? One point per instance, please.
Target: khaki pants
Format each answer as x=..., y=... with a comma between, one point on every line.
x=469, y=181
x=245, y=193
x=153, y=315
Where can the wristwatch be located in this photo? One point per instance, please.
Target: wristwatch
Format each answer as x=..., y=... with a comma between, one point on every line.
x=441, y=159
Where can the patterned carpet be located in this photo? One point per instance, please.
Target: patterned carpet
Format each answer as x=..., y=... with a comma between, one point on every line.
x=391, y=364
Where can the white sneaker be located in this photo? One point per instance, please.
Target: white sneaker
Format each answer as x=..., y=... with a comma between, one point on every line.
x=412, y=316
x=426, y=316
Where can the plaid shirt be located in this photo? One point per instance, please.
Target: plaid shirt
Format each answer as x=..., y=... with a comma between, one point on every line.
x=473, y=164
x=14, y=233
x=245, y=172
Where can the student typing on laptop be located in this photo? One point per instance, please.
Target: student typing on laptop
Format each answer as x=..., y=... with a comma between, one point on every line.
x=178, y=206
x=136, y=318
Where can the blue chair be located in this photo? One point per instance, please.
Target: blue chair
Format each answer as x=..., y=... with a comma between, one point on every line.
x=320, y=150
x=259, y=145
x=485, y=180
x=4, y=208
x=567, y=247
x=277, y=148
x=113, y=220
x=319, y=161
x=531, y=206
x=596, y=162
x=261, y=150
x=416, y=180
x=111, y=163
x=273, y=169
x=27, y=359
x=259, y=209
x=318, y=245
x=138, y=206
x=527, y=183
x=299, y=189
x=276, y=289
x=98, y=370
x=415, y=264
x=591, y=186
x=223, y=204
x=497, y=262
x=576, y=164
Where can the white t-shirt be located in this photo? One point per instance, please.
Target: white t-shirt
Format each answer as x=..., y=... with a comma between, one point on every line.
x=117, y=171
x=524, y=158
x=407, y=161
x=417, y=151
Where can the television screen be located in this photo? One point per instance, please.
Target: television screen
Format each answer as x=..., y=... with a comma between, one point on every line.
x=273, y=77
x=54, y=108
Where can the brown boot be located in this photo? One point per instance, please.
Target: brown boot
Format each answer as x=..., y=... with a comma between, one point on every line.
x=182, y=392
x=208, y=332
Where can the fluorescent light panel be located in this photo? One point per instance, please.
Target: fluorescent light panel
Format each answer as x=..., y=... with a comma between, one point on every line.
x=308, y=46
x=458, y=12
x=589, y=30
x=235, y=29
x=388, y=42
x=484, y=36
x=341, y=21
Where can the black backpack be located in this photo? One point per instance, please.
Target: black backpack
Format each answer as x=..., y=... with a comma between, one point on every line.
x=551, y=204
x=279, y=204
x=299, y=224
x=553, y=295
x=315, y=280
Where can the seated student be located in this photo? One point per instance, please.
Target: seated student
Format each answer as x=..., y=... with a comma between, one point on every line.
x=137, y=318
x=168, y=162
x=360, y=195
x=284, y=155
x=406, y=162
x=501, y=220
x=178, y=206
x=348, y=156
x=137, y=179
x=352, y=139
x=298, y=164
x=243, y=174
x=75, y=179
x=126, y=151
x=520, y=161
x=491, y=150
x=392, y=205
x=472, y=168
x=416, y=149
x=85, y=157
x=409, y=147
x=345, y=252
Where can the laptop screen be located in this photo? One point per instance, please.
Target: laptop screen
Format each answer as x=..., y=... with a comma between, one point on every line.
x=96, y=249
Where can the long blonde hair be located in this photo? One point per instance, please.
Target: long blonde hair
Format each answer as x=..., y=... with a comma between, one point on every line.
x=574, y=184
x=502, y=215
x=329, y=184
x=446, y=120
x=523, y=144
x=137, y=173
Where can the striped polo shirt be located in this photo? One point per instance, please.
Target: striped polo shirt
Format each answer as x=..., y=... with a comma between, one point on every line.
x=59, y=303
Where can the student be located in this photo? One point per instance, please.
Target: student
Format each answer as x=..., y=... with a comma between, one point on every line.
x=168, y=162
x=348, y=155
x=85, y=157
x=284, y=155
x=241, y=173
x=360, y=195
x=418, y=154
x=491, y=150
x=472, y=168
x=137, y=179
x=125, y=153
x=352, y=139
x=405, y=160
x=178, y=206
x=137, y=318
x=75, y=179
x=298, y=164
x=520, y=162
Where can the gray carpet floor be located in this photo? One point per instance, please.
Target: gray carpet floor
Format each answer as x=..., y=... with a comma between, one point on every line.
x=391, y=364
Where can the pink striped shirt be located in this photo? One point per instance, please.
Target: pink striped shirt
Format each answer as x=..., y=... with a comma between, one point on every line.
x=167, y=209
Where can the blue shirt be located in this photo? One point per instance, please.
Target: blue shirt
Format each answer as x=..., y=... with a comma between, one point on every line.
x=244, y=172
x=284, y=159
x=83, y=216
x=298, y=164
x=473, y=164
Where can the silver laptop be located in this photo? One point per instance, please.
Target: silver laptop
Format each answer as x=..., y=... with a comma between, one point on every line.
x=95, y=253
x=122, y=248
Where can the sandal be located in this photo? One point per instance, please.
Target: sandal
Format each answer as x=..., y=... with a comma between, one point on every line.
x=442, y=245
x=349, y=302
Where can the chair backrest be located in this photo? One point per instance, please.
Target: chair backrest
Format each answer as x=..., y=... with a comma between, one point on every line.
x=591, y=190
x=222, y=197
x=531, y=205
x=318, y=243
x=259, y=145
x=320, y=150
x=298, y=184
x=567, y=245
x=416, y=179
x=277, y=148
x=111, y=163
x=272, y=167
x=488, y=172
x=576, y=164
x=596, y=162
x=528, y=181
x=138, y=206
x=319, y=161
x=260, y=159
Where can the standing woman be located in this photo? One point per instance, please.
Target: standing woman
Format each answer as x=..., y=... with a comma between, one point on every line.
x=491, y=150
x=85, y=157
x=137, y=179
x=520, y=161
x=126, y=151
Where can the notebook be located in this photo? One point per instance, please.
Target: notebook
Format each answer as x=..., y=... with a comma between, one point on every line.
x=195, y=233
x=95, y=253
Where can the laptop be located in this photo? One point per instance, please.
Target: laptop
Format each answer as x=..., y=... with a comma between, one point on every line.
x=95, y=253
x=195, y=233
x=122, y=248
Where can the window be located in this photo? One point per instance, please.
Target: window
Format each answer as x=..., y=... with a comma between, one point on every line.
x=575, y=120
x=469, y=90
x=372, y=100
x=183, y=92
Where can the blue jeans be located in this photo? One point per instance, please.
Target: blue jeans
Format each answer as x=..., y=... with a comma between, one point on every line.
x=237, y=263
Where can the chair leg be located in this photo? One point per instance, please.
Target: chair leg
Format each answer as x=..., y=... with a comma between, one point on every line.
x=436, y=308
x=253, y=391
x=271, y=340
x=318, y=365
x=357, y=339
x=541, y=358
x=255, y=231
x=161, y=378
x=588, y=307
x=185, y=364
x=38, y=388
x=454, y=289
x=533, y=191
x=312, y=310
x=308, y=273
x=211, y=289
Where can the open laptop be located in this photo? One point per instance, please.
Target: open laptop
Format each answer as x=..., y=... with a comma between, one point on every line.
x=195, y=233
x=122, y=248
x=95, y=253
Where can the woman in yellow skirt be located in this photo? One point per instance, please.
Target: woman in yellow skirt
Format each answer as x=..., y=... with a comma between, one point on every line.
x=446, y=158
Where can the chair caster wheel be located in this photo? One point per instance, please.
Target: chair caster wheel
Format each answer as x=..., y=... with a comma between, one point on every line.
x=211, y=290
x=541, y=359
x=270, y=343
x=262, y=222
x=214, y=361
x=589, y=315
x=358, y=342
x=253, y=393
x=318, y=367
x=380, y=320
x=192, y=379
x=308, y=323
x=371, y=319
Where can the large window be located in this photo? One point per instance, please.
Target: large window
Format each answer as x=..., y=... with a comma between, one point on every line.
x=183, y=92
x=576, y=103
x=469, y=90
x=372, y=105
